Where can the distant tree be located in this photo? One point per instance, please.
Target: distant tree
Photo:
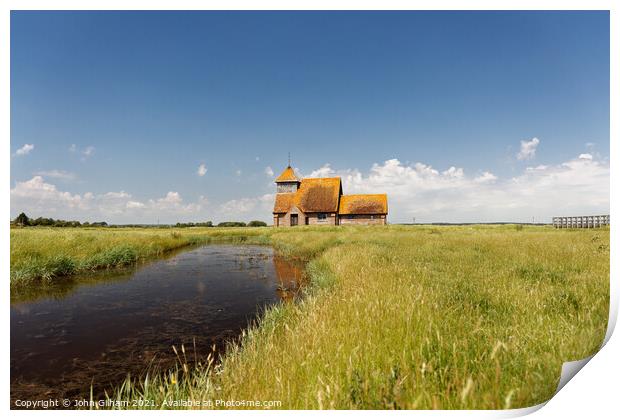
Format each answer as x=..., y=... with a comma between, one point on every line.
x=231, y=224
x=42, y=221
x=22, y=220
x=257, y=223
x=192, y=224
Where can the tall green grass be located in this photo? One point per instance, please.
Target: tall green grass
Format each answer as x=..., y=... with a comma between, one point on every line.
x=394, y=317
x=416, y=318
x=41, y=255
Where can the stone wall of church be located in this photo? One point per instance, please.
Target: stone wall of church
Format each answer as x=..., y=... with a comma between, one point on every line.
x=363, y=219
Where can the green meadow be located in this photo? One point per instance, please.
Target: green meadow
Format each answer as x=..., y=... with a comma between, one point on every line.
x=411, y=317
x=39, y=255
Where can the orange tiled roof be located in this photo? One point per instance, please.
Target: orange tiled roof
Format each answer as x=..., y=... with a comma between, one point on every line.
x=363, y=204
x=283, y=203
x=318, y=195
x=315, y=195
x=287, y=175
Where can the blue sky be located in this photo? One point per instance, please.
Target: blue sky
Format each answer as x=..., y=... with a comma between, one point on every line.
x=113, y=113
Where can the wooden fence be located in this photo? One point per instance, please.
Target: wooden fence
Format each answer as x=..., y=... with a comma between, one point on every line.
x=580, y=222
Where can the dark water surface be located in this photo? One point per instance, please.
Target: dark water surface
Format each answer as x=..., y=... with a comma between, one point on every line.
x=103, y=327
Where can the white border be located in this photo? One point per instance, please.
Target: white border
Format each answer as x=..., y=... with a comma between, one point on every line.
x=592, y=393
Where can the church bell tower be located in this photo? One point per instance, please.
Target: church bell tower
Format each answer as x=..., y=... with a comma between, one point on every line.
x=287, y=182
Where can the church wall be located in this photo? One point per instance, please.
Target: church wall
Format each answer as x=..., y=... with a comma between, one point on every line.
x=363, y=219
x=331, y=219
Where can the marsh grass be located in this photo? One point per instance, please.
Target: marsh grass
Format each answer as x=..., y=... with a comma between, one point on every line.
x=410, y=317
x=41, y=255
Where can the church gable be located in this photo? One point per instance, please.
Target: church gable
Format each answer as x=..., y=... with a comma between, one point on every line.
x=317, y=195
x=283, y=203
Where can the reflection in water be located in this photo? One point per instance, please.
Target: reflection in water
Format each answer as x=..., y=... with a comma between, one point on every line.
x=99, y=329
x=60, y=288
x=289, y=278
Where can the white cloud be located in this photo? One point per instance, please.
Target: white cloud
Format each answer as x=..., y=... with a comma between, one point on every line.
x=203, y=201
x=85, y=153
x=322, y=172
x=577, y=186
x=453, y=173
x=202, y=170
x=57, y=174
x=586, y=156
x=171, y=200
x=173, y=205
x=25, y=149
x=418, y=190
x=269, y=172
x=88, y=151
x=134, y=204
x=39, y=198
x=238, y=172
x=573, y=187
x=240, y=207
x=528, y=149
x=486, y=177
x=116, y=195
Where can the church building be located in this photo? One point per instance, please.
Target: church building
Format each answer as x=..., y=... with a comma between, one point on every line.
x=320, y=201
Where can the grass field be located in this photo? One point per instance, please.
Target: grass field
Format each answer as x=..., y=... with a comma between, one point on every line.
x=394, y=317
x=39, y=255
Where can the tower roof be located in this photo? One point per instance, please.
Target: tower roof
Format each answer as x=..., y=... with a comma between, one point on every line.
x=288, y=175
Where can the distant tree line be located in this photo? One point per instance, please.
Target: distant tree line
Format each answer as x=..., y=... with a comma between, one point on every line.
x=192, y=224
x=23, y=220
x=253, y=223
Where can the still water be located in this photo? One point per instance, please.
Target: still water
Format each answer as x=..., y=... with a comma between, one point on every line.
x=99, y=328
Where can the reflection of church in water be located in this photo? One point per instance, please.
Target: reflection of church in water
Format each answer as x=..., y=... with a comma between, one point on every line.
x=289, y=276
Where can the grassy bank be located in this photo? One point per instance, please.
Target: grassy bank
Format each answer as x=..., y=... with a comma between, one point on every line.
x=414, y=317
x=410, y=317
x=41, y=255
